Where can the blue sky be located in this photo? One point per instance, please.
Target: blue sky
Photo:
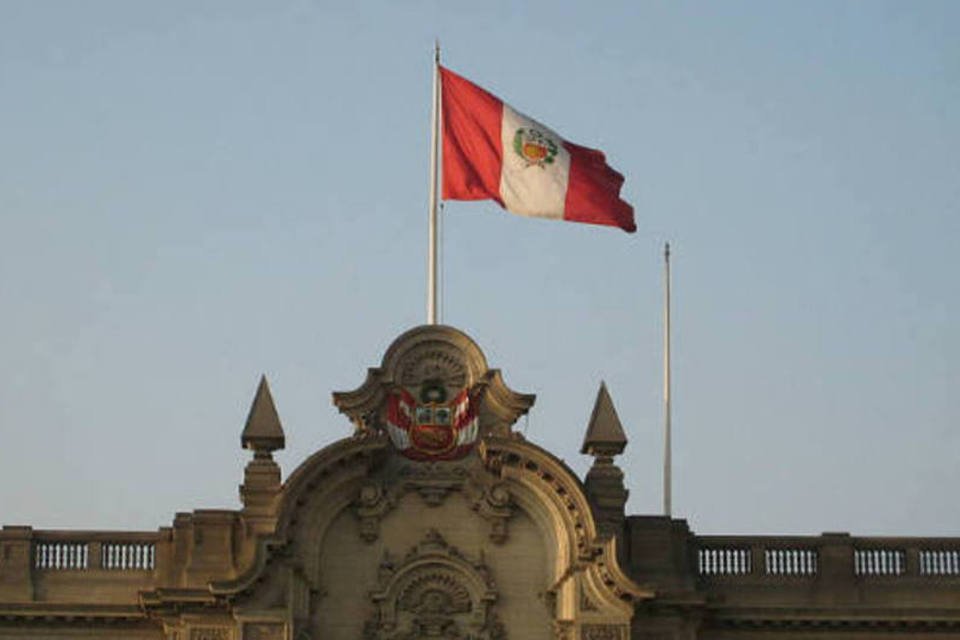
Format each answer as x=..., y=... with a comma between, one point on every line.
x=195, y=193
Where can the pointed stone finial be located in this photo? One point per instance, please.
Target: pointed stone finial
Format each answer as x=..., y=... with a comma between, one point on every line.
x=263, y=431
x=604, y=437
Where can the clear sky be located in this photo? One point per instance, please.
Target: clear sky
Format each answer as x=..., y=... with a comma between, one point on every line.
x=195, y=193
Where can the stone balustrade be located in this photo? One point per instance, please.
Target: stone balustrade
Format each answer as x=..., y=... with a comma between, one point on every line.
x=92, y=550
x=732, y=557
x=42, y=566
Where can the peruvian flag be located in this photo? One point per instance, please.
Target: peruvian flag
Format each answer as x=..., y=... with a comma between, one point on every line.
x=492, y=151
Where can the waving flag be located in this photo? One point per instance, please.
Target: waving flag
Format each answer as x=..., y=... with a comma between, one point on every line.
x=492, y=151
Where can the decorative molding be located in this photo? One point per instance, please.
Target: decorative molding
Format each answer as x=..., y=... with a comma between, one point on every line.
x=432, y=480
x=433, y=361
x=210, y=633
x=563, y=629
x=603, y=632
x=263, y=631
x=512, y=453
x=495, y=505
x=371, y=504
x=653, y=635
x=435, y=592
x=586, y=604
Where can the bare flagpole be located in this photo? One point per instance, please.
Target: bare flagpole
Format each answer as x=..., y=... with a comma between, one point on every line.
x=667, y=453
x=432, y=224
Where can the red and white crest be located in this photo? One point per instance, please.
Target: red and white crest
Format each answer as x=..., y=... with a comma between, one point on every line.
x=432, y=429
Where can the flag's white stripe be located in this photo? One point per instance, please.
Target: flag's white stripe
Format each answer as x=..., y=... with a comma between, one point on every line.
x=532, y=189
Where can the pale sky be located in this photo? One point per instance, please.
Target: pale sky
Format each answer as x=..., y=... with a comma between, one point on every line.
x=195, y=193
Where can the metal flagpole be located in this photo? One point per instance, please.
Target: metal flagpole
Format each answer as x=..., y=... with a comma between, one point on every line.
x=432, y=225
x=667, y=453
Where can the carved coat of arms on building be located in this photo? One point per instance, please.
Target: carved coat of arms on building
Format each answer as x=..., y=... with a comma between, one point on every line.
x=428, y=426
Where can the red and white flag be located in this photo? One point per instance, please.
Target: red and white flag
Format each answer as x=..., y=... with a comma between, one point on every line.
x=492, y=151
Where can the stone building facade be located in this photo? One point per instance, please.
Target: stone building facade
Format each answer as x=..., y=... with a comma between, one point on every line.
x=435, y=519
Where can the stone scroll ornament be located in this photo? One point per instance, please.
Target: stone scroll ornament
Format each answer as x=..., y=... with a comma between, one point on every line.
x=430, y=427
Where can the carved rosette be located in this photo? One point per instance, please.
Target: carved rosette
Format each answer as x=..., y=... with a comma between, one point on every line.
x=435, y=592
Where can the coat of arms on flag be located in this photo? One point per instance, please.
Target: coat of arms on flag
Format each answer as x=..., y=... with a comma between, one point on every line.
x=431, y=427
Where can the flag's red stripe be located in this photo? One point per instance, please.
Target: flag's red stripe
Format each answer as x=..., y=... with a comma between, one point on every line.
x=472, y=149
x=593, y=191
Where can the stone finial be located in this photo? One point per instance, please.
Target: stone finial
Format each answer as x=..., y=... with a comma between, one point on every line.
x=605, y=436
x=263, y=431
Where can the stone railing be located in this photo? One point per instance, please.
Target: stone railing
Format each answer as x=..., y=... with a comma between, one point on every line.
x=94, y=550
x=795, y=557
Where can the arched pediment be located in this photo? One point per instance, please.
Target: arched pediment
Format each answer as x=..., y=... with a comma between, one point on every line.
x=500, y=536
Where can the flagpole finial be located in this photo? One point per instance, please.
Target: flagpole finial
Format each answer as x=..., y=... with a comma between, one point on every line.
x=666, y=250
x=436, y=50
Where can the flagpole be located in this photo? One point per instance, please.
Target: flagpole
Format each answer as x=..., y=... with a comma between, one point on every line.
x=432, y=223
x=667, y=453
